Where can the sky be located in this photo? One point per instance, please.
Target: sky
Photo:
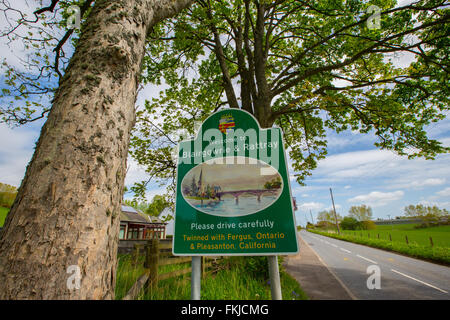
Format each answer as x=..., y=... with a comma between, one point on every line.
x=355, y=169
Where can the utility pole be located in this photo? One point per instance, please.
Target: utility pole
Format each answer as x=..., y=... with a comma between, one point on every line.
x=312, y=219
x=334, y=210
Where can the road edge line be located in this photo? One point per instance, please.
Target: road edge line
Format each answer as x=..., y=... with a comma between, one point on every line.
x=420, y=281
x=332, y=272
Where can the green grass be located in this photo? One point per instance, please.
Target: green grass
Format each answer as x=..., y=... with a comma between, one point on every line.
x=418, y=246
x=3, y=213
x=440, y=234
x=231, y=282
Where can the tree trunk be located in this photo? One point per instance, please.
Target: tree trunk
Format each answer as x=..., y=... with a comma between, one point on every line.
x=67, y=209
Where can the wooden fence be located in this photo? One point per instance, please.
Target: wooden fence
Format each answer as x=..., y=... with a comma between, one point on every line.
x=159, y=254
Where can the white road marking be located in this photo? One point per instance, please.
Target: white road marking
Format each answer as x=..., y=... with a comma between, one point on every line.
x=334, y=245
x=422, y=282
x=345, y=250
x=366, y=259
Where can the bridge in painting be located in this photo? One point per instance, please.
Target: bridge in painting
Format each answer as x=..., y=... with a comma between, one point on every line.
x=256, y=192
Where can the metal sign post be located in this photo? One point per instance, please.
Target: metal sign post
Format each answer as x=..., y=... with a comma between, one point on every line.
x=196, y=277
x=274, y=276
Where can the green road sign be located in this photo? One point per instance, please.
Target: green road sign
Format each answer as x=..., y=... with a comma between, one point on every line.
x=233, y=193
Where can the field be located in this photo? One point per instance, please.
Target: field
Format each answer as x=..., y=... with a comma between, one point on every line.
x=418, y=246
x=3, y=213
x=440, y=235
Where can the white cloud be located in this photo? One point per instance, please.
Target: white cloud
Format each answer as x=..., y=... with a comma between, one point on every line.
x=440, y=204
x=149, y=194
x=16, y=150
x=428, y=182
x=336, y=206
x=444, y=193
x=355, y=164
x=405, y=183
x=398, y=172
x=135, y=172
x=377, y=198
x=310, y=206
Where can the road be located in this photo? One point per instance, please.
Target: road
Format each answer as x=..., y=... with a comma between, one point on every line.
x=400, y=277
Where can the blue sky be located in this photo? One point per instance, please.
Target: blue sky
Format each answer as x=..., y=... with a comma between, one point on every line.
x=357, y=171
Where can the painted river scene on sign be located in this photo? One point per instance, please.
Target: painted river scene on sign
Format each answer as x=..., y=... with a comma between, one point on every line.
x=233, y=186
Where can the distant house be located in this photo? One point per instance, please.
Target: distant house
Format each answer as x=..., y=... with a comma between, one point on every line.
x=135, y=225
x=166, y=213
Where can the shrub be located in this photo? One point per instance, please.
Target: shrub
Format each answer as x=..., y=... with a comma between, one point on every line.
x=309, y=225
x=7, y=199
x=325, y=225
x=368, y=225
x=350, y=223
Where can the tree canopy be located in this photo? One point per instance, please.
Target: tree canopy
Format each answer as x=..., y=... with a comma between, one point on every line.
x=306, y=66
x=361, y=213
x=328, y=216
x=421, y=211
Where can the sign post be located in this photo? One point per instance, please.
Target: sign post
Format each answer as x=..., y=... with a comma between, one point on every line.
x=196, y=276
x=233, y=193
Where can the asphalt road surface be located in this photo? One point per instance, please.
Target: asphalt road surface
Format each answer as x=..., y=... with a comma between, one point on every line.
x=357, y=266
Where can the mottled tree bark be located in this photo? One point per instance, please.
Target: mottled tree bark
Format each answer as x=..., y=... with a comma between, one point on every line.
x=68, y=206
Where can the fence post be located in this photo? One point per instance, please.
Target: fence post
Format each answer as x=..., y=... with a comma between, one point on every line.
x=431, y=241
x=406, y=237
x=390, y=237
x=135, y=255
x=152, y=262
x=378, y=236
x=203, y=267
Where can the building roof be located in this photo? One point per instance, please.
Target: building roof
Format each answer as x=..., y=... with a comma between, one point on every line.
x=130, y=214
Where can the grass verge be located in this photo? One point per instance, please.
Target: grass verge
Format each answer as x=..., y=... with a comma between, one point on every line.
x=3, y=213
x=235, y=278
x=436, y=253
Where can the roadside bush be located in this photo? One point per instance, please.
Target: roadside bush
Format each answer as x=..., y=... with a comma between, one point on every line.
x=368, y=225
x=7, y=199
x=309, y=225
x=350, y=223
x=325, y=225
x=432, y=224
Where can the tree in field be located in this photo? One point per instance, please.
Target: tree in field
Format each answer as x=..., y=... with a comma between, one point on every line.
x=328, y=216
x=7, y=195
x=361, y=213
x=67, y=209
x=302, y=65
x=350, y=223
x=424, y=212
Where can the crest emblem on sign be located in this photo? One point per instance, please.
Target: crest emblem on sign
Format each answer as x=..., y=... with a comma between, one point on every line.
x=226, y=123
